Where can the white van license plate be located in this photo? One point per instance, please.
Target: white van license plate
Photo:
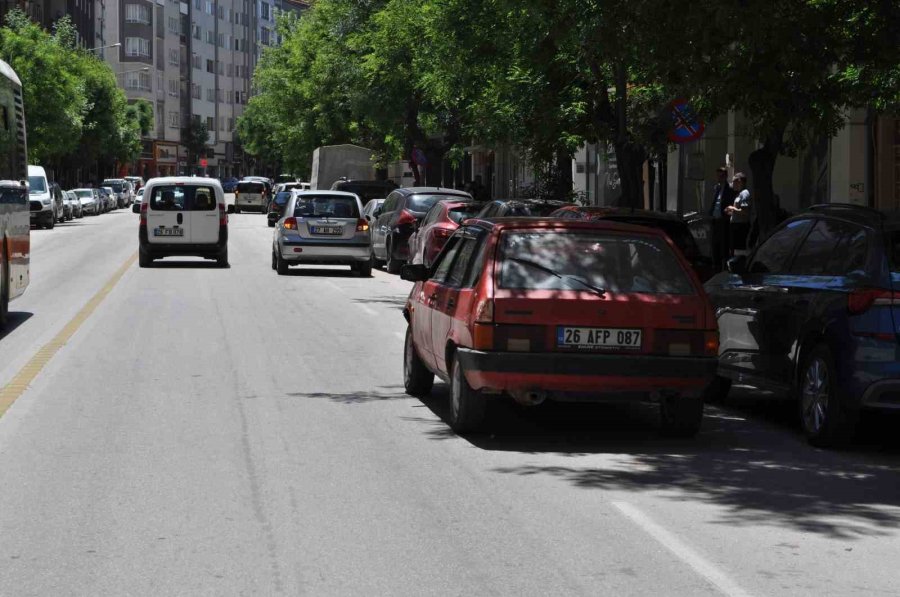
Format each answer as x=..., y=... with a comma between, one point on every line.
x=168, y=232
x=594, y=338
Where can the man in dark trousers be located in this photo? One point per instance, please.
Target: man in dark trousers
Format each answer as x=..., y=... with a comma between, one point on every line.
x=723, y=196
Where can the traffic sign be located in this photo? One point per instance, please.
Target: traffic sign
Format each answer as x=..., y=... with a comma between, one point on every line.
x=685, y=125
x=204, y=162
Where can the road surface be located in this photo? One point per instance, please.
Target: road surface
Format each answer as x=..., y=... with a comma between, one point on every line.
x=188, y=430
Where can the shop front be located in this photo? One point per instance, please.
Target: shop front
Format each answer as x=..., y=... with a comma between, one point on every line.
x=166, y=158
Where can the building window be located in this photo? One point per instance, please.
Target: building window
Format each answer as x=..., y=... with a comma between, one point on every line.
x=174, y=87
x=174, y=119
x=174, y=58
x=196, y=62
x=221, y=40
x=198, y=4
x=210, y=94
x=209, y=7
x=220, y=67
x=174, y=25
x=221, y=12
x=137, y=46
x=210, y=123
x=265, y=36
x=137, y=13
x=230, y=125
x=264, y=10
x=139, y=81
x=211, y=37
x=195, y=91
x=210, y=66
x=198, y=34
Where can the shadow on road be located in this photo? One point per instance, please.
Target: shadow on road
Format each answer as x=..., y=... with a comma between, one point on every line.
x=319, y=272
x=206, y=264
x=397, y=302
x=14, y=319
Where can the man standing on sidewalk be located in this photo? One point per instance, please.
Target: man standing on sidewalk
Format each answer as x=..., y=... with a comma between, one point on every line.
x=723, y=195
x=740, y=212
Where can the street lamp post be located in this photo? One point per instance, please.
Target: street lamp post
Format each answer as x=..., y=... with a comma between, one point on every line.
x=137, y=70
x=115, y=45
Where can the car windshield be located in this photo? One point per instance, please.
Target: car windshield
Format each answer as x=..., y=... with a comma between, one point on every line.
x=282, y=197
x=555, y=260
x=250, y=187
x=326, y=206
x=84, y=193
x=458, y=214
x=116, y=186
x=425, y=202
x=37, y=184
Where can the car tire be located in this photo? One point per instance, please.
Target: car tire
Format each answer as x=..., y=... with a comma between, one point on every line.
x=376, y=262
x=144, y=258
x=680, y=416
x=222, y=258
x=271, y=224
x=825, y=419
x=467, y=407
x=274, y=261
x=237, y=209
x=281, y=265
x=717, y=392
x=51, y=222
x=417, y=378
x=392, y=265
x=364, y=269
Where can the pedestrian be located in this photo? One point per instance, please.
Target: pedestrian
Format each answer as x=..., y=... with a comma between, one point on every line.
x=723, y=196
x=740, y=214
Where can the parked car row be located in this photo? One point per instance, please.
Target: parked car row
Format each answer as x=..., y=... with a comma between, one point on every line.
x=49, y=204
x=590, y=298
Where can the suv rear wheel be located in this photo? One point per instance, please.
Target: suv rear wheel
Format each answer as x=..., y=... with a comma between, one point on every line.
x=417, y=378
x=392, y=264
x=466, y=405
x=825, y=420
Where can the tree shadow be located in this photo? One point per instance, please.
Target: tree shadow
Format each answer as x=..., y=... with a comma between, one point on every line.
x=318, y=272
x=396, y=302
x=358, y=397
x=14, y=319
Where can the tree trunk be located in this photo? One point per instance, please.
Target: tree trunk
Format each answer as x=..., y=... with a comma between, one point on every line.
x=413, y=136
x=630, y=160
x=762, y=195
x=562, y=181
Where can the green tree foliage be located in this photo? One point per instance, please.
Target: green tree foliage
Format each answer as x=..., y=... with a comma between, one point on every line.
x=75, y=112
x=195, y=137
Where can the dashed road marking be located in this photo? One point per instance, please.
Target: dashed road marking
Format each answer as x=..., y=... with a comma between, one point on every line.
x=682, y=551
x=27, y=374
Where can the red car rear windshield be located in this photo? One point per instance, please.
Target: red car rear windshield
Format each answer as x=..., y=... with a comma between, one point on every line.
x=458, y=214
x=557, y=260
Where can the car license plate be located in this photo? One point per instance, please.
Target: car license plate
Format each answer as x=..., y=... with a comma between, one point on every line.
x=168, y=232
x=596, y=338
x=327, y=229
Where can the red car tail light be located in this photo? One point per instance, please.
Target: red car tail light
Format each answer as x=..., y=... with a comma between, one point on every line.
x=290, y=224
x=223, y=215
x=406, y=217
x=861, y=300
x=711, y=344
x=145, y=205
x=362, y=225
x=484, y=312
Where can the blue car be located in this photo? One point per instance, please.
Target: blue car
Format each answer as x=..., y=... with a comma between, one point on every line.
x=229, y=184
x=814, y=311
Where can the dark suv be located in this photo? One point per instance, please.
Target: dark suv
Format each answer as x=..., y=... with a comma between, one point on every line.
x=814, y=311
x=402, y=212
x=504, y=208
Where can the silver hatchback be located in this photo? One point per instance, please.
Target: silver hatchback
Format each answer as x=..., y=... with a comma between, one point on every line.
x=322, y=227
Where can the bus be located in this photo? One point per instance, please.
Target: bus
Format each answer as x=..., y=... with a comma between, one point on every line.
x=15, y=220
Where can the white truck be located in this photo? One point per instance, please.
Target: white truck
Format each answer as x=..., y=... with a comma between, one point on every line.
x=334, y=162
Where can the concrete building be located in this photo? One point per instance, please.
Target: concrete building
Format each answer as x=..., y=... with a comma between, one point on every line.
x=46, y=12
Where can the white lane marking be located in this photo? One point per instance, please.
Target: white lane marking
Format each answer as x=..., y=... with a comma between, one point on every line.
x=682, y=551
x=368, y=310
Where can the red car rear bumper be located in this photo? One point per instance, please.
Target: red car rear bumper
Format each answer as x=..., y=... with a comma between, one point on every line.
x=600, y=373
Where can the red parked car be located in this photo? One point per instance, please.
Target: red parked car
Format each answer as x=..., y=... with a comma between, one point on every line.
x=538, y=308
x=670, y=223
x=439, y=224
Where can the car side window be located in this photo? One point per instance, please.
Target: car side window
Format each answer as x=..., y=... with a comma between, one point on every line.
x=431, y=216
x=831, y=248
x=445, y=260
x=204, y=199
x=390, y=204
x=774, y=255
x=168, y=198
x=457, y=274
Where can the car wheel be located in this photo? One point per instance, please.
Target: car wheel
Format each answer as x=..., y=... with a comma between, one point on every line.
x=680, y=416
x=222, y=259
x=392, y=265
x=717, y=391
x=376, y=262
x=51, y=223
x=466, y=405
x=271, y=224
x=274, y=261
x=281, y=265
x=144, y=258
x=237, y=209
x=364, y=269
x=825, y=420
x=417, y=378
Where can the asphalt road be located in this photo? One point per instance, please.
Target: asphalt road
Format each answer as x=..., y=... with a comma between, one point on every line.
x=232, y=432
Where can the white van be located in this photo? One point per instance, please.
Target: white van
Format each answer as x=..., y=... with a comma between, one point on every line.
x=250, y=194
x=46, y=208
x=184, y=216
